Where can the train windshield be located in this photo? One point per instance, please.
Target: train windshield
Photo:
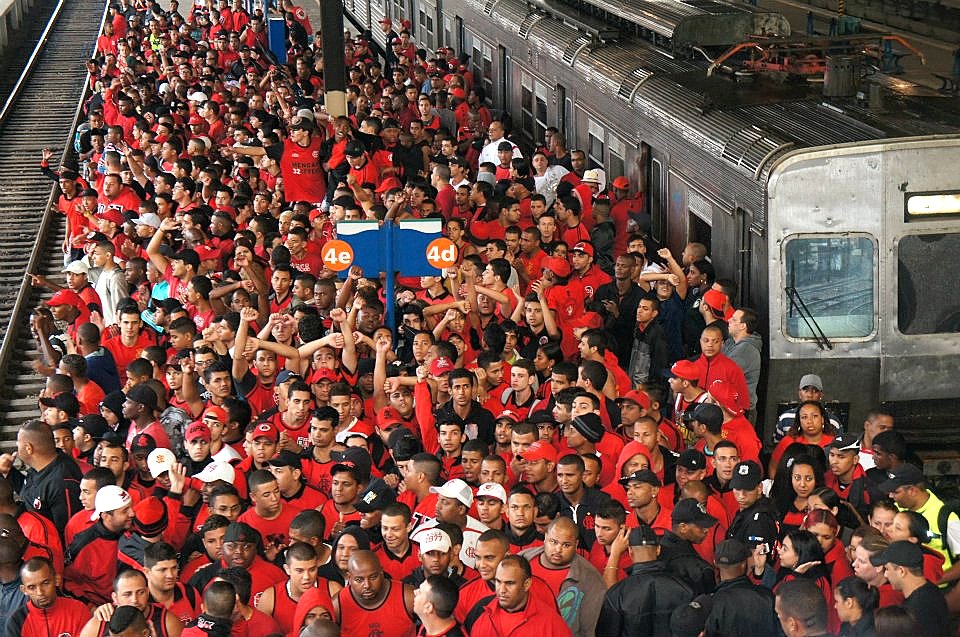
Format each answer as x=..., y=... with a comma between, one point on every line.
x=927, y=301
x=830, y=287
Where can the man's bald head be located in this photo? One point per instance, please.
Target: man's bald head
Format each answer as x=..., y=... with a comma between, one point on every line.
x=564, y=525
x=363, y=560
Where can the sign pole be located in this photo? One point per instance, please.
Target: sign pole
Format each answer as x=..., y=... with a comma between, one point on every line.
x=389, y=269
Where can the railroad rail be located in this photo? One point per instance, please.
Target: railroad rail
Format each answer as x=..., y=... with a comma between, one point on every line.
x=40, y=111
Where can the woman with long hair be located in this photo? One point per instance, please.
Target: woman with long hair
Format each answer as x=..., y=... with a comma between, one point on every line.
x=812, y=427
x=826, y=529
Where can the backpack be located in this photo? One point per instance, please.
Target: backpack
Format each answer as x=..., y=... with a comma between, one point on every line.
x=951, y=506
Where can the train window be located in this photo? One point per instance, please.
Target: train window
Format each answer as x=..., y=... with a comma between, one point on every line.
x=595, y=145
x=830, y=287
x=925, y=206
x=540, y=134
x=526, y=106
x=615, y=167
x=925, y=304
x=426, y=25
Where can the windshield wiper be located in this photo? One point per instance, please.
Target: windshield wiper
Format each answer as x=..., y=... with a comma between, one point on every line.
x=797, y=303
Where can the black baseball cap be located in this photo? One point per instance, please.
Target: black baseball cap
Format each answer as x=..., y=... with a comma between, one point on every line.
x=904, y=475
x=692, y=460
x=901, y=553
x=690, y=511
x=690, y=619
x=377, y=497
x=286, y=458
x=747, y=475
x=643, y=535
x=643, y=475
x=730, y=552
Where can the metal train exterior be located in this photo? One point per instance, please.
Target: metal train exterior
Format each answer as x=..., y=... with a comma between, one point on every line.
x=839, y=222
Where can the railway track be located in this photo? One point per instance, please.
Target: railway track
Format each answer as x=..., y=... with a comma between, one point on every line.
x=40, y=111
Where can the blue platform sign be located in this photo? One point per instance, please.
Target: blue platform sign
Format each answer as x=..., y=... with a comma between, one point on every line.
x=393, y=248
x=277, y=38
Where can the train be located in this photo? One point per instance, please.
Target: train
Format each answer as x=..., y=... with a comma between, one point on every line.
x=838, y=217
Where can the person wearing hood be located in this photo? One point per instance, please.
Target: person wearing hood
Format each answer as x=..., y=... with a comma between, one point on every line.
x=634, y=457
x=744, y=346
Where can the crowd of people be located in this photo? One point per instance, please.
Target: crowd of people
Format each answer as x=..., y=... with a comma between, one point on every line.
x=559, y=434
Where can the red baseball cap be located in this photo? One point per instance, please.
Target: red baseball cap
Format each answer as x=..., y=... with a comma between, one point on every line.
x=512, y=416
x=540, y=450
x=388, y=416
x=266, y=430
x=441, y=365
x=687, y=370
x=637, y=396
x=206, y=252
x=621, y=183
x=197, y=430
x=113, y=215
x=558, y=266
x=215, y=412
x=726, y=396
x=583, y=246
x=67, y=297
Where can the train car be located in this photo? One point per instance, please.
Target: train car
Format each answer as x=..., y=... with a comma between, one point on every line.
x=825, y=211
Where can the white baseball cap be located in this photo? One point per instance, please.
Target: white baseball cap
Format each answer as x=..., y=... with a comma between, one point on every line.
x=159, y=461
x=197, y=96
x=433, y=540
x=217, y=470
x=148, y=219
x=456, y=489
x=492, y=490
x=77, y=267
x=109, y=498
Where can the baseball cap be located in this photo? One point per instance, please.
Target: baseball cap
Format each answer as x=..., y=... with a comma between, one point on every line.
x=198, y=430
x=197, y=96
x=323, y=374
x=266, y=430
x=725, y=395
x=64, y=401
x=746, y=475
x=77, y=267
x=286, y=458
x=811, y=380
x=692, y=460
x=440, y=365
x=109, y=498
x=66, y=297
x=643, y=535
x=241, y=532
x=353, y=149
x=159, y=461
x=636, y=396
x=492, y=490
x=455, y=489
x=690, y=619
x=150, y=517
x=217, y=470
x=542, y=417
x=112, y=215
x=583, y=246
x=621, y=183
x=730, y=552
x=142, y=443
x=707, y=414
x=687, y=370
x=377, y=497
x=286, y=375
x=904, y=475
x=845, y=442
x=643, y=475
x=902, y=553
x=715, y=299
x=149, y=219
x=388, y=416
x=216, y=413
x=93, y=424
x=355, y=460
x=539, y=450
x=558, y=266
x=510, y=415
x=433, y=540
x=144, y=395
x=689, y=511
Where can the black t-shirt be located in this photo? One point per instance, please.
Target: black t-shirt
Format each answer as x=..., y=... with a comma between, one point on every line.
x=929, y=608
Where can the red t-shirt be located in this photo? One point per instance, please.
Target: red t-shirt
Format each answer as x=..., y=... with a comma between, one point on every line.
x=274, y=531
x=303, y=176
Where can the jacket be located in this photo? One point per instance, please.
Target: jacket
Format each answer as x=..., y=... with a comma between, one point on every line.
x=741, y=608
x=53, y=492
x=539, y=618
x=581, y=594
x=746, y=354
x=683, y=561
x=721, y=367
x=756, y=524
x=64, y=618
x=583, y=513
x=642, y=603
x=207, y=626
x=91, y=564
x=650, y=354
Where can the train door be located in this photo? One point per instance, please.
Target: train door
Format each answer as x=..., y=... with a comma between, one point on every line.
x=595, y=144
x=690, y=216
x=563, y=115
x=656, y=193
x=451, y=33
x=400, y=11
x=534, y=98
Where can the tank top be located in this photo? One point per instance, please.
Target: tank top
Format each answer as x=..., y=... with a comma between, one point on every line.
x=389, y=619
x=284, y=606
x=157, y=621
